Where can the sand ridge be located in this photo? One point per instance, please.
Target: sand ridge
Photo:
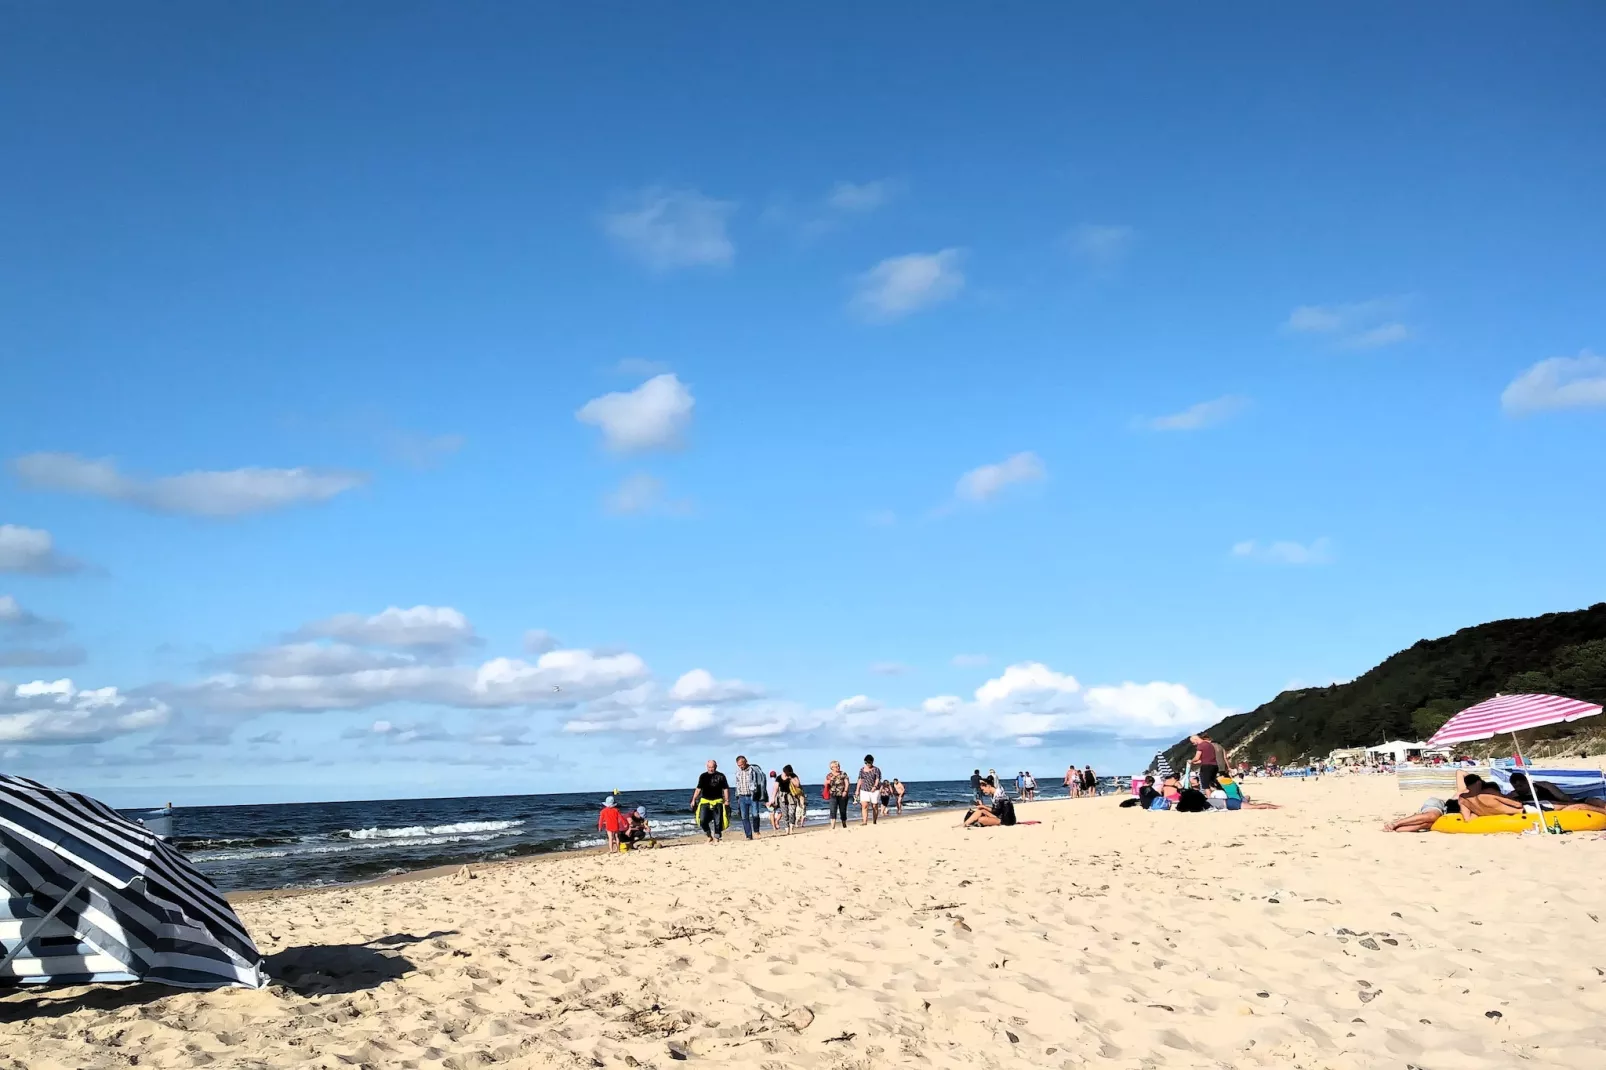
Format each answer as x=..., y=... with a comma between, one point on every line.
x=1102, y=937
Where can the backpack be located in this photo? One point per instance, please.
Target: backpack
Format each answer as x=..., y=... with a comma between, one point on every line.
x=1005, y=811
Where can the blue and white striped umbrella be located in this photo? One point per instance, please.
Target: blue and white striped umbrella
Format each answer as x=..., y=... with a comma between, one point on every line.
x=1162, y=768
x=90, y=896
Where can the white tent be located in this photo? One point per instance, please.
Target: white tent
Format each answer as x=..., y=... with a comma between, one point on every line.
x=1397, y=751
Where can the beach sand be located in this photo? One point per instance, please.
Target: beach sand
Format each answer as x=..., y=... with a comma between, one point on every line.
x=1303, y=937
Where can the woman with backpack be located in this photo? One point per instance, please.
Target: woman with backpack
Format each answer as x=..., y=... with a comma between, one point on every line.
x=793, y=804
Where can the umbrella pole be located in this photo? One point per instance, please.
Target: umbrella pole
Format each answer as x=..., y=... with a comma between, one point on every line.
x=39, y=926
x=1532, y=788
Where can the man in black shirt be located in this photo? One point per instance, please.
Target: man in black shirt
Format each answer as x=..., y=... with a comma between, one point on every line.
x=975, y=785
x=711, y=802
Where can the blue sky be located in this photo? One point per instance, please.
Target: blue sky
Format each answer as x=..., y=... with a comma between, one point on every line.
x=471, y=398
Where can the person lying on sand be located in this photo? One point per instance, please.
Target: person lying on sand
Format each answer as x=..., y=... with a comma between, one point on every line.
x=1422, y=821
x=1491, y=801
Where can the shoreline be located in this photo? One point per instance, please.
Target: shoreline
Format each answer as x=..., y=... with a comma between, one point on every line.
x=690, y=839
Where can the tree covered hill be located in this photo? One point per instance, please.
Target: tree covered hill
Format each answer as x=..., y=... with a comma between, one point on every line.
x=1414, y=692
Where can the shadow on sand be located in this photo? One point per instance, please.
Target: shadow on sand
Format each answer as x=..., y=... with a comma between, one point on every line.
x=312, y=970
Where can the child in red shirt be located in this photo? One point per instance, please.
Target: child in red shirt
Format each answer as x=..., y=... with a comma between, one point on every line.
x=611, y=822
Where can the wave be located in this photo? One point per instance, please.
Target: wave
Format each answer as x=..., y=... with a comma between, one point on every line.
x=303, y=849
x=413, y=832
x=188, y=844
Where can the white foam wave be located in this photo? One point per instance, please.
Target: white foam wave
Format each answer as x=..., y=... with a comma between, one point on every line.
x=413, y=832
x=337, y=848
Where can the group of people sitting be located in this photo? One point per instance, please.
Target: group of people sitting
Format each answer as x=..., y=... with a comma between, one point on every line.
x=1220, y=792
x=1482, y=798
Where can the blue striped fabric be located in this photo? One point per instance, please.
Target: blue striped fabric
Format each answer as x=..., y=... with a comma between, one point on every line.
x=1579, y=783
x=123, y=905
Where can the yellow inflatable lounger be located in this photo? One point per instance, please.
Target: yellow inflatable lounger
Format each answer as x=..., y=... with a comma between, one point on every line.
x=1570, y=820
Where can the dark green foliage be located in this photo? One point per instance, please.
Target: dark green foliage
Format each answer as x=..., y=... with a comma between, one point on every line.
x=1414, y=692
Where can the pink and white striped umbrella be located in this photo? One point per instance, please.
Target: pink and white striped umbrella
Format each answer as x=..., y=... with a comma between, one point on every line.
x=1511, y=713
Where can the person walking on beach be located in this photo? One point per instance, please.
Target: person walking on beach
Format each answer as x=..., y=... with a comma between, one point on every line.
x=1073, y=781
x=1029, y=786
x=836, y=788
x=611, y=822
x=1090, y=782
x=749, y=789
x=772, y=792
x=789, y=791
x=711, y=801
x=975, y=785
x=897, y=794
x=869, y=790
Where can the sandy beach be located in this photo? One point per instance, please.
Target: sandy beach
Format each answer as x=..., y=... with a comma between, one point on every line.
x=1302, y=937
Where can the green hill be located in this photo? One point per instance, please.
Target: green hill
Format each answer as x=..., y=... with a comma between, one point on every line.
x=1414, y=692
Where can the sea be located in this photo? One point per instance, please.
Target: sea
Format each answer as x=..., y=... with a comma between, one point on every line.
x=301, y=845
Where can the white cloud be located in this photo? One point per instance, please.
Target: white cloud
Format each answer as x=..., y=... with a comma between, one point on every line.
x=421, y=627
x=985, y=483
x=699, y=686
x=1031, y=701
x=1102, y=245
x=900, y=285
x=858, y=704
x=653, y=416
x=667, y=229
x=32, y=551
x=1316, y=552
x=58, y=712
x=237, y=492
x=314, y=659
x=860, y=197
x=971, y=661
x=888, y=668
x=689, y=719
x=539, y=641
x=1198, y=417
x=1357, y=325
x=1558, y=383
x=1028, y=681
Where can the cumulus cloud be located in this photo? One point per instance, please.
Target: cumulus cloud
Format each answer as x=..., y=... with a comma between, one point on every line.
x=667, y=229
x=1198, y=417
x=654, y=416
x=1558, y=383
x=1357, y=325
x=987, y=482
x=699, y=686
x=59, y=712
x=1030, y=700
x=1316, y=552
x=421, y=627
x=314, y=659
x=689, y=719
x=32, y=551
x=1102, y=245
x=858, y=704
x=233, y=493
x=900, y=285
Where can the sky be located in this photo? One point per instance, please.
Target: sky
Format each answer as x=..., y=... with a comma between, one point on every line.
x=436, y=399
